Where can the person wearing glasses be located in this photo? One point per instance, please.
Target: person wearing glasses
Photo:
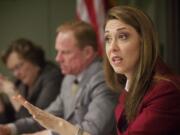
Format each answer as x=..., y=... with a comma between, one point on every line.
x=36, y=78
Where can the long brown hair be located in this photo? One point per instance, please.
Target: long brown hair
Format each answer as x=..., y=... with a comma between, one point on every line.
x=148, y=56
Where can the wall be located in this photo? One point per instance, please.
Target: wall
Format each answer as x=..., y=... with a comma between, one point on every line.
x=38, y=20
x=33, y=19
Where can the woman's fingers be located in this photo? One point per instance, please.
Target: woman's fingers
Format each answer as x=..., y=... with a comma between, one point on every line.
x=20, y=99
x=46, y=119
x=33, y=110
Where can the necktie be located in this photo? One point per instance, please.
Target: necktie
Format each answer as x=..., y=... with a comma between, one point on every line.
x=75, y=87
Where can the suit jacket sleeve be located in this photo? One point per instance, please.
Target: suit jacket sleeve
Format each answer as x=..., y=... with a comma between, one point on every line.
x=99, y=118
x=49, y=86
x=50, y=89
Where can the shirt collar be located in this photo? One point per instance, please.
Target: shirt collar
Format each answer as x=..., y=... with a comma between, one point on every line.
x=127, y=86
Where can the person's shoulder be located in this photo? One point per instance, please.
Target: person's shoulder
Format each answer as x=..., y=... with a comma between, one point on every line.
x=94, y=72
x=168, y=83
x=163, y=87
x=95, y=66
x=51, y=70
x=97, y=77
x=51, y=67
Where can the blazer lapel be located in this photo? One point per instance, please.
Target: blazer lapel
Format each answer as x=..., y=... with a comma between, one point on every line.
x=86, y=76
x=77, y=101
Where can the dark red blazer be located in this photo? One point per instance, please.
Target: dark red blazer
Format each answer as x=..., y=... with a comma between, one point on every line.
x=159, y=112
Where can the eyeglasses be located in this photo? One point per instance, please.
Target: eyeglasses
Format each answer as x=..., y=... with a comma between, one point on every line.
x=17, y=67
